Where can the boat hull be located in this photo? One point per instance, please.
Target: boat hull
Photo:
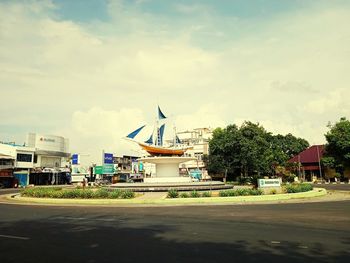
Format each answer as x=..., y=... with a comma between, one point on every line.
x=154, y=150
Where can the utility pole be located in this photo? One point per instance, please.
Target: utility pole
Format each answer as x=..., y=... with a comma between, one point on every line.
x=319, y=162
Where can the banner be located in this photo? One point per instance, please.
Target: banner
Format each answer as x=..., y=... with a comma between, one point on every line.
x=108, y=158
x=75, y=158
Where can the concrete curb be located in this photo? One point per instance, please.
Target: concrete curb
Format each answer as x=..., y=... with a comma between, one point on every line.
x=16, y=199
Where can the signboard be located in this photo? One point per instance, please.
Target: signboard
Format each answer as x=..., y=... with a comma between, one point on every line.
x=264, y=183
x=140, y=167
x=75, y=159
x=105, y=169
x=108, y=169
x=108, y=158
x=98, y=169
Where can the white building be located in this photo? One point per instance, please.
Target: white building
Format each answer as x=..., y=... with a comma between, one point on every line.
x=50, y=151
x=23, y=160
x=39, y=152
x=199, y=139
x=23, y=156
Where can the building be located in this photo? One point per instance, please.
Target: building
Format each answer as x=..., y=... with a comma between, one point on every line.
x=7, y=164
x=308, y=163
x=199, y=139
x=41, y=160
x=19, y=160
x=51, y=159
x=50, y=151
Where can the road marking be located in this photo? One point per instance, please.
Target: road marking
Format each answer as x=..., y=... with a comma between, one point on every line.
x=302, y=247
x=15, y=237
x=275, y=242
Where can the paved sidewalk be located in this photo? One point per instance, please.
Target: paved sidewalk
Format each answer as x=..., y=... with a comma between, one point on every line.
x=152, y=196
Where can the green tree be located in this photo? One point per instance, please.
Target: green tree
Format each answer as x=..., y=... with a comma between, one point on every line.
x=250, y=150
x=338, y=142
x=285, y=147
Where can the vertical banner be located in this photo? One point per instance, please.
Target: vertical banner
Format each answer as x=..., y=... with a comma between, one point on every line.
x=108, y=167
x=108, y=158
x=75, y=158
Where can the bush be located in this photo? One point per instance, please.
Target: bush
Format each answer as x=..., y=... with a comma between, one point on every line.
x=297, y=188
x=173, y=193
x=54, y=192
x=74, y=193
x=101, y=193
x=240, y=192
x=227, y=193
x=273, y=192
x=206, y=194
x=194, y=194
x=115, y=194
x=127, y=194
x=255, y=192
x=184, y=195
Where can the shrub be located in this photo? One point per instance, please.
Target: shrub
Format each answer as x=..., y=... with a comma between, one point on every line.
x=273, y=192
x=227, y=193
x=86, y=194
x=50, y=192
x=240, y=192
x=206, y=194
x=127, y=194
x=115, y=194
x=173, y=193
x=194, y=194
x=101, y=193
x=184, y=195
x=255, y=192
x=297, y=188
x=71, y=193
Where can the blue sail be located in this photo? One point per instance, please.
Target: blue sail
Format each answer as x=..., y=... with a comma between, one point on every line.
x=160, y=135
x=135, y=132
x=160, y=114
x=178, y=140
x=150, y=140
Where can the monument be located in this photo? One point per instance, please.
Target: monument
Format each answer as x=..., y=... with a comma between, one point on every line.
x=165, y=158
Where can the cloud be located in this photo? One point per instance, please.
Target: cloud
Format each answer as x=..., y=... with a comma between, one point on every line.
x=95, y=81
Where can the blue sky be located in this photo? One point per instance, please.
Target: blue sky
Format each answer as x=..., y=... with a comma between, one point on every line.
x=83, y=11
x=95, y=70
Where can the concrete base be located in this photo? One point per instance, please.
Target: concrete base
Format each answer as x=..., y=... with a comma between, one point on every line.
x=167, y=180
x=167, y=168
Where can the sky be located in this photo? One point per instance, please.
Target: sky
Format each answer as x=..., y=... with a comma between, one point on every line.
x=94, y=70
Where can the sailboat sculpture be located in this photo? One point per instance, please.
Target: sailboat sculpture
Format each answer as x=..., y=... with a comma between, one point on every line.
x=156, y=147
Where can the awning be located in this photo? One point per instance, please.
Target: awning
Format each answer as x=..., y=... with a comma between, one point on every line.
x=7, y=157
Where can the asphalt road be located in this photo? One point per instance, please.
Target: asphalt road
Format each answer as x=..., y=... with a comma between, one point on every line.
x=314, y=232
x=337, y=187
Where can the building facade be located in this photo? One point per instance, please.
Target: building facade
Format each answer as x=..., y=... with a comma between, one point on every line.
x=41, y=160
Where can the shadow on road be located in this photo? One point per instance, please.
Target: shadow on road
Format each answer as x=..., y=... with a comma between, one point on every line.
x=66, y=240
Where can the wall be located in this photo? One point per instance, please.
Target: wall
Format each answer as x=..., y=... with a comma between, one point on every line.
x=48, y=142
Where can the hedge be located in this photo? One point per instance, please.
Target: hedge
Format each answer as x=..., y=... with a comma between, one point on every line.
x=56, y=192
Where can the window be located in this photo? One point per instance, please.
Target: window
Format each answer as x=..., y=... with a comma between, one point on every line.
x=21, y=157
x=35, y=158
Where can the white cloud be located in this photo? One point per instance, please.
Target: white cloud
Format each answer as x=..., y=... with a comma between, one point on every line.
x=290, y=73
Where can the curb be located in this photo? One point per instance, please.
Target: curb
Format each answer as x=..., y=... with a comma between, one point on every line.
x=16, y=199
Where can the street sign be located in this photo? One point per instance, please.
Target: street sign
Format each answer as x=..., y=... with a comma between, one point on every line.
x=263, y=183
x=108, y=169
x=98, y=169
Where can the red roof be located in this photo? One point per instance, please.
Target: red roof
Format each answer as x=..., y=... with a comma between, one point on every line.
x=311, y=155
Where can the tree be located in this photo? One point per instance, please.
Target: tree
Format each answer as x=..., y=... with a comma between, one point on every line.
x=250, y=150
x=285, y=147
x=338, y=142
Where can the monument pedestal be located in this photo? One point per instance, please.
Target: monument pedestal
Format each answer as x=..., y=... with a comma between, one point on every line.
x=167, y=169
